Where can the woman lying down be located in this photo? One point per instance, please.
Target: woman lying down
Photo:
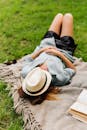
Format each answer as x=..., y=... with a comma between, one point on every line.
x=50, y=66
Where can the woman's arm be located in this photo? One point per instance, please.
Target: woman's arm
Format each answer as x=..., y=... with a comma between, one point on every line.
x=68, y=63
x=55, y=52
x=36, y=54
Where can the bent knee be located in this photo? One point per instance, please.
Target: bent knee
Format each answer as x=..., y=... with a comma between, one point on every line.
x=59, y=15
x=68, y=16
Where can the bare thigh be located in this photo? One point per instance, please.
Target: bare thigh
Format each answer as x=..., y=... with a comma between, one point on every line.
x=56, y=24
x=67, y=25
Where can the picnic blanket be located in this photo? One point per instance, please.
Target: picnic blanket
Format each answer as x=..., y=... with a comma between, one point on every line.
x=49, y=115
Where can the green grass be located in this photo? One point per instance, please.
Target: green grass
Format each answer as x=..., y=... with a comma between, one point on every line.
x=22, y=25
x=8, y=118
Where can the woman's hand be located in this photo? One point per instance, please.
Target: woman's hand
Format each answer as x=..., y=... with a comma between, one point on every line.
x=47, y=48
x=36, y=54
x=53, y=51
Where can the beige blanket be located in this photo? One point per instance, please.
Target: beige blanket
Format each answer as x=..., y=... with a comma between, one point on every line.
x=50, y=115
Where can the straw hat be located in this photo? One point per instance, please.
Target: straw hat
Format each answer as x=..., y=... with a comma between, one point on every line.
x=36, y=82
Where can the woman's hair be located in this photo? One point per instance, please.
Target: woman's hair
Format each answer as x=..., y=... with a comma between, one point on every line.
x=50, y=94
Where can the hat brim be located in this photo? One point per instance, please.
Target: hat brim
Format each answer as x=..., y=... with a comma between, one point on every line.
x=43, y=90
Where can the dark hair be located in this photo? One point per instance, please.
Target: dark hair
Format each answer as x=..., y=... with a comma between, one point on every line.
x=50, y=94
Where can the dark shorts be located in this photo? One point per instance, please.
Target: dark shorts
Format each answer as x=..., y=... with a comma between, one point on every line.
x=66, y=42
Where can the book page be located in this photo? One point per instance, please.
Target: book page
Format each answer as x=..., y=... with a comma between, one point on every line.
x=81, y=103
x=79, y=107
x=83, y=97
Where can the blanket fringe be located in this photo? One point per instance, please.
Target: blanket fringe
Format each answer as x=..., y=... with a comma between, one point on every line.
x=10, y=74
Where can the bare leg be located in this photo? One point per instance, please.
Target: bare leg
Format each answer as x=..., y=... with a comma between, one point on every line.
x=67, y=25
x=56, y=24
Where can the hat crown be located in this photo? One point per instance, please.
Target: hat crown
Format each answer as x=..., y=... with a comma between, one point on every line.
x=35, y=80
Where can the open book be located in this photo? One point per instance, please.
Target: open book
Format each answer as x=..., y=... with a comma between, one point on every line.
x=79, y=109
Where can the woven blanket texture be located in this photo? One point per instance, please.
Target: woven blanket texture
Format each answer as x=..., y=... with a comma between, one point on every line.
x=49, y=115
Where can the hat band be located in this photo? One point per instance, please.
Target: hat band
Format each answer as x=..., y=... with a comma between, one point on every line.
x=40, y=89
